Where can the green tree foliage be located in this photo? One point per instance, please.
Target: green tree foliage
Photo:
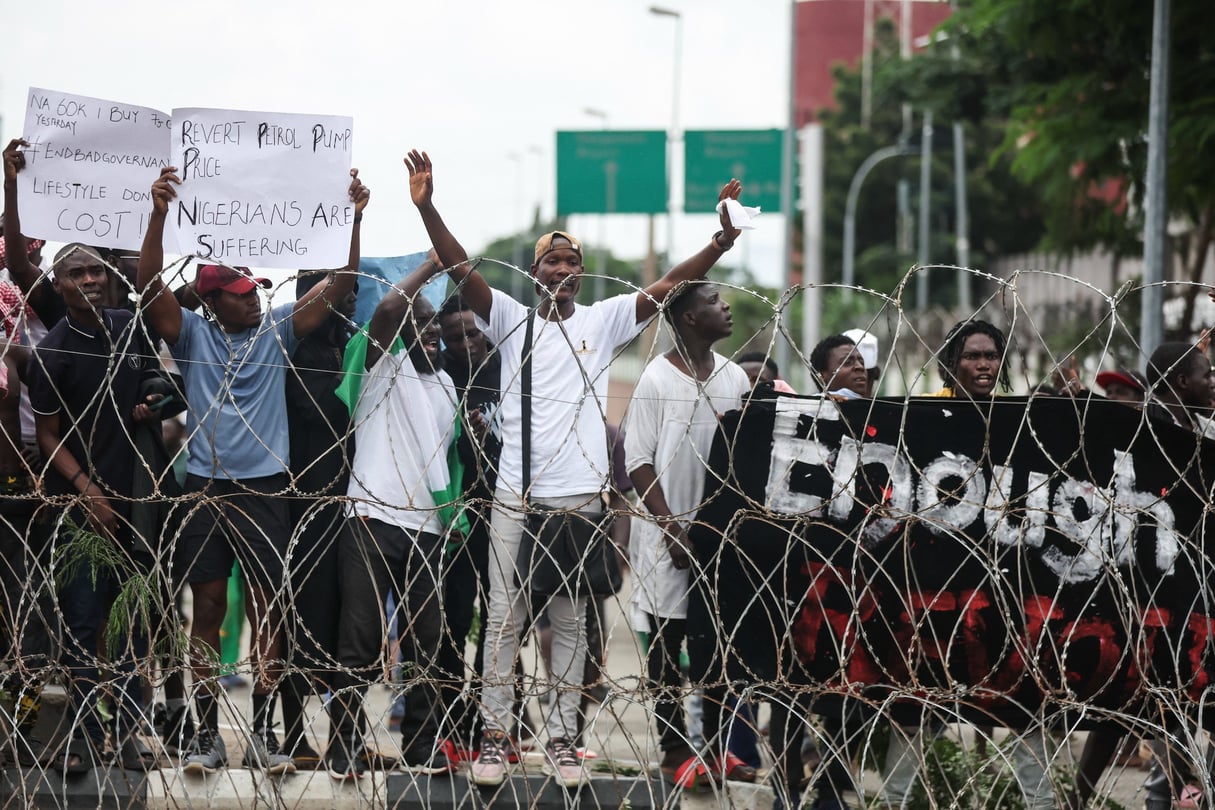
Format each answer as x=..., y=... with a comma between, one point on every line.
x=1005, y=215
x=1071, y=80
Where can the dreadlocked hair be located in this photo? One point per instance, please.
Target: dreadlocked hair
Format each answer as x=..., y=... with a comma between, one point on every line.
x=950, y=357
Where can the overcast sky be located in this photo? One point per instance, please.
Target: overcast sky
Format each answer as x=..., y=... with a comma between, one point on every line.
x=473, y=83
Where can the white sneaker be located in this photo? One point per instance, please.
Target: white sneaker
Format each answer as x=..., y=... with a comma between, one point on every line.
x=489, y=768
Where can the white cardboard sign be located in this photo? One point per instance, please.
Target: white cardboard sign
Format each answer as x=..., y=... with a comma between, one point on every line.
x=89, y=168
x=261, y=189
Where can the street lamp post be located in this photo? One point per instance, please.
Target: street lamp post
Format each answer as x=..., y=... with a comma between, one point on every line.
x=674, y=136
x=1156, y=209
x=854, y=191
x=600, y=285
x=516, y=277
x=924, y=253
x=533, y=149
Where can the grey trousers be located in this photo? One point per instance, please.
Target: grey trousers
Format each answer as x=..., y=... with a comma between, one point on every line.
x=508, y=614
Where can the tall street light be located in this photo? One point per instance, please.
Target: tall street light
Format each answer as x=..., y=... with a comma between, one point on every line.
x=516, y=278
x=533, y=149
x=600, y=284
x=1156, y=208
x=674, y=136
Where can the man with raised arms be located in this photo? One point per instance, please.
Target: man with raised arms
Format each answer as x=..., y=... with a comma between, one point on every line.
x=571, y=350
x=234, y=362
x=402, y=509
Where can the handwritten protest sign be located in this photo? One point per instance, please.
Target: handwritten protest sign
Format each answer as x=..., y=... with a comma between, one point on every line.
x=262, y=189
x=89, y=168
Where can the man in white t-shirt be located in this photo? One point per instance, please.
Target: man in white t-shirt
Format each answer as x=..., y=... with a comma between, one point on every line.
x=571, y=350
x=671, y=423
x=401, y=506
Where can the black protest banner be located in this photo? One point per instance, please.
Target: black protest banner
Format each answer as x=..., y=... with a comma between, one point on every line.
x=1009, y=554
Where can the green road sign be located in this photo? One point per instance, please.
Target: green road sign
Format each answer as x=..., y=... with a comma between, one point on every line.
x=612, y=172
x=712, y=157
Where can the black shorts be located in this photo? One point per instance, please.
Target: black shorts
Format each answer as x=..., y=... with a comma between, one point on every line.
x=246, y=520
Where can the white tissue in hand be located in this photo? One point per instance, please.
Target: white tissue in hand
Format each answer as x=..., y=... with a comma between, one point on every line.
x=741, y=216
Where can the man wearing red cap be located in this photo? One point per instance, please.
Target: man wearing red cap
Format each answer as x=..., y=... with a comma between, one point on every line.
x=234, y=362
x=1124, y=385
x=571, y=350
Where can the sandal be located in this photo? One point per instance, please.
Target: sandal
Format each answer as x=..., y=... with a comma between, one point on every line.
x=674, y=759
x=76, y=759
x=713, y=771
x=734, y=769
x=136, y=756
x=692, y=774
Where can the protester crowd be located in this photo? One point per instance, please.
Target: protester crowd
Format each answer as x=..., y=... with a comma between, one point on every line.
x=444, y=461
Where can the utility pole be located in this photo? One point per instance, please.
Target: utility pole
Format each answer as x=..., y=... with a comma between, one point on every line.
x=1156, y=213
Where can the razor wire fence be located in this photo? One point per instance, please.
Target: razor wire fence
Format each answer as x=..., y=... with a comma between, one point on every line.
x=963, y=601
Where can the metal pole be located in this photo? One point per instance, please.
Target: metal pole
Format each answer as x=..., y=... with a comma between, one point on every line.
x=676, y=139
x=905, y=55
x=963, y=210
x=812, y=241
x=673, y=137
x=963, y=222
x=1155, y=226
x=539, y=153
x=611, y=170
x=867, y=67
x=516, y=278
x=854, y=190
x=787, y=205
x=609, y=204
x=921, y=280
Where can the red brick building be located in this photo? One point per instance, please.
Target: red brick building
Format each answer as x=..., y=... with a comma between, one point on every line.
x=833, y=31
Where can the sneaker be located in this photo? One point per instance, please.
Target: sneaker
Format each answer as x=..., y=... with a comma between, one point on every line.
x=562, y=763
x=490, y=768
x=207, y=754
x=341, y=765
x=263, y=754
x=435, y=762
x=177, y=730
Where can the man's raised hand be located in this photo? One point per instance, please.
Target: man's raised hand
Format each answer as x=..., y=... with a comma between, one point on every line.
x=731, y=191
x=421, y=180
x=163, y=191
x=14, y=159
x=360, y=195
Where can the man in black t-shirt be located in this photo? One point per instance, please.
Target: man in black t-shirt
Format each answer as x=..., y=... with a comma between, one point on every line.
x=322, y=444
x=475, y=368
x=84, y=380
